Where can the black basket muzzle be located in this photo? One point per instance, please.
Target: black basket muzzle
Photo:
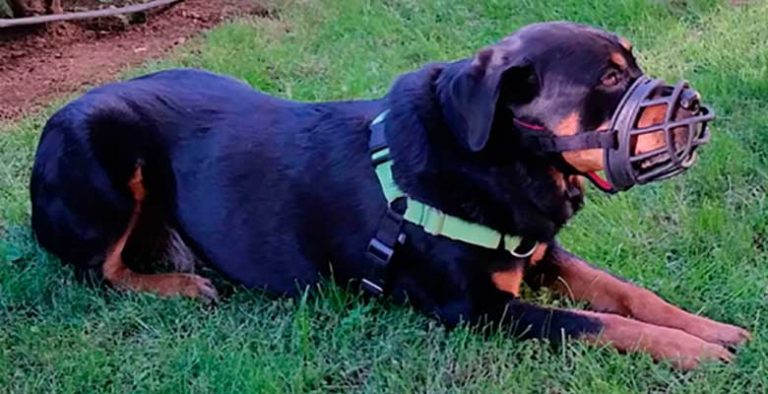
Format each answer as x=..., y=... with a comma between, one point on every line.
x=683, y=128
x=626, y=167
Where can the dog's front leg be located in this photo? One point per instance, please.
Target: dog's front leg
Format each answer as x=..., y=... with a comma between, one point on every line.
x=581, y=281
x=683, y=350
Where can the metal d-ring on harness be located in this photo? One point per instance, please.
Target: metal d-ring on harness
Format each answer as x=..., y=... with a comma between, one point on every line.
x=381, y=248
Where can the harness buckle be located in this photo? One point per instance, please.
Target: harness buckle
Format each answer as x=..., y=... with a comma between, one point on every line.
x=380, y=250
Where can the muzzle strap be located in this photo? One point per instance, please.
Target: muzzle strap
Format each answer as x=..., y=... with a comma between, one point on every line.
x=534, y=137
x=550, y=143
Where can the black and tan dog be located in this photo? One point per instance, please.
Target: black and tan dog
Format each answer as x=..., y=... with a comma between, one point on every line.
x=277, y=194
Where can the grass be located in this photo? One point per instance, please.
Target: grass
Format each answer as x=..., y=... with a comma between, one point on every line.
x=698, y=240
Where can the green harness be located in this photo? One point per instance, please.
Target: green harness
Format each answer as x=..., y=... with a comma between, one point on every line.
x=431, y=219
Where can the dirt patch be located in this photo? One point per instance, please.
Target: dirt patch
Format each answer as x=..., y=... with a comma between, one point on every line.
x=41, y=63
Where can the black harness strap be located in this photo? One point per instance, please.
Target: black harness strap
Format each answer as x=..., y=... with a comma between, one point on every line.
x=389, y=233
x=382, y=245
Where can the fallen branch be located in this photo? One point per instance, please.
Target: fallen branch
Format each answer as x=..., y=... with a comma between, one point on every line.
x=34, y=20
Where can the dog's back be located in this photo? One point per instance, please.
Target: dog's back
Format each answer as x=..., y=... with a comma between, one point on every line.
x=193, y=134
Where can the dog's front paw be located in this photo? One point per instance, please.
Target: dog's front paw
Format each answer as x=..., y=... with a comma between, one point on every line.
x=683, y=350
x=720, y=333
x=689, y=353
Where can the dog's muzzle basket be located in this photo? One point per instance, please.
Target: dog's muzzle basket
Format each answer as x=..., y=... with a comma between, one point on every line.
x=682, y=134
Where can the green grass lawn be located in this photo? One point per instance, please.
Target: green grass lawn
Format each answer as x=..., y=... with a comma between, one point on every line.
x=699, y=240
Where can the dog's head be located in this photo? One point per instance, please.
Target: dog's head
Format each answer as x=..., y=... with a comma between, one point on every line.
x=563, y=77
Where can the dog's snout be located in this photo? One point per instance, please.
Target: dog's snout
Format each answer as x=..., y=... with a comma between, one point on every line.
x=690, y=100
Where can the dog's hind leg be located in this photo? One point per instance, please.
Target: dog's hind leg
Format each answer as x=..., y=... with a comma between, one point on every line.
x=119, y=275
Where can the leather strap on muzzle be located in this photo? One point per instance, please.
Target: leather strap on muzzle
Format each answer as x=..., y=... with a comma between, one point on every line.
x=550, y=143
x=539, y=139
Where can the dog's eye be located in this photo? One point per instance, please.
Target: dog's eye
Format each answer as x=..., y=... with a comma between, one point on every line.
x=611, y=78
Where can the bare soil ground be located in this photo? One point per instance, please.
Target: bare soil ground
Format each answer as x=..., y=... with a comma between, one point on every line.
x=40, y=63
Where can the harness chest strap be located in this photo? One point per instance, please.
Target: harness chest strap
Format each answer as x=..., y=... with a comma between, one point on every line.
x=431, y=219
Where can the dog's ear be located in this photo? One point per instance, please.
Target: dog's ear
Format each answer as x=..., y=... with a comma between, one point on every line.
x=470, y=95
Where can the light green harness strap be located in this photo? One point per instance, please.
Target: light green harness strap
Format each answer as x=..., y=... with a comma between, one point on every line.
x=436, y=222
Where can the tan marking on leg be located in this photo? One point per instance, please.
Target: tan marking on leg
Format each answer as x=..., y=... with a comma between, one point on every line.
x=509, y=280
x=119, y=275
x=683, y=350
x=136, y=184
x=538, y=254
x=607, y=293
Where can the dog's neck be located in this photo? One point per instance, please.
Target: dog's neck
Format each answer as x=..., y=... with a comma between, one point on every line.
x=520, y=195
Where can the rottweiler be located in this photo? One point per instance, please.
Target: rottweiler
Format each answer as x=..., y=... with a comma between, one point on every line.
x=431, y=195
